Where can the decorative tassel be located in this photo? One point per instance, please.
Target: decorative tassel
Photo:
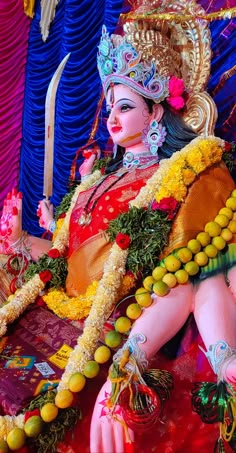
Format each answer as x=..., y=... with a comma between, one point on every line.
x=232, y=441
x=161, y=381
x=217, y=403
x=140, y=396
x=211, y=400
x=219, y=446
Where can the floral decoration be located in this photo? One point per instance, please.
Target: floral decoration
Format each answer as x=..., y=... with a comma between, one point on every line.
x=176, y=90
x=196, y=157
x=54, y=253
x=45, y=276
x=228, y=147
x=168, y=205
x=52, y=271
x=123, y=240
x=29, y=414
x=73, y=308
x=143, y=226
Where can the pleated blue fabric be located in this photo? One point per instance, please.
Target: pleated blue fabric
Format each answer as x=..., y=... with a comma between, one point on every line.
x=75, y=29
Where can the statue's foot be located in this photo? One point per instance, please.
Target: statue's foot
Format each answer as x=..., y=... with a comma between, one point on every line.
x=223, y=361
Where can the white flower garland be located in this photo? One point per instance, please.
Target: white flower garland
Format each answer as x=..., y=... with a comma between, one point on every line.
x=30, y=290
x=109, y=284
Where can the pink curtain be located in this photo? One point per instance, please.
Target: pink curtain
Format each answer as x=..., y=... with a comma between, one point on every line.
x=14, y=30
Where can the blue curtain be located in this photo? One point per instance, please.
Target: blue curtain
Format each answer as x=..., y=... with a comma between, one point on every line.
x=76, y=29
x=222, y=83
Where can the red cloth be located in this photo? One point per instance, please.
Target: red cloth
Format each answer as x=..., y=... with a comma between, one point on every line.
x=106, y=204
x=180, y=430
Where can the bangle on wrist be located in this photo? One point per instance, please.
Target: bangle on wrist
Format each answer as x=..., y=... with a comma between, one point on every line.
x=20, y=246
x=18, y=260
x=52, y=226
x=85, y=177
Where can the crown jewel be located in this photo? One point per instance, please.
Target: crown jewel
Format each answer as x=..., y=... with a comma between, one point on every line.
x=119, y=62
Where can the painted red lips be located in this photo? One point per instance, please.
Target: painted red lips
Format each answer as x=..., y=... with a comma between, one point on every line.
x=116, y=129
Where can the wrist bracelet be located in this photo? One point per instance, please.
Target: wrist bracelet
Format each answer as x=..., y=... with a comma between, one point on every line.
x=85, y=177
x=52, y=226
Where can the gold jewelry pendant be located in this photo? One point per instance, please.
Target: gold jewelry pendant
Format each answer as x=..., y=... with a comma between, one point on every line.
x=85, y=218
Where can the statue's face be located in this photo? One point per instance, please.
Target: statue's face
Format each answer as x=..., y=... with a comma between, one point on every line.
x=128, y=116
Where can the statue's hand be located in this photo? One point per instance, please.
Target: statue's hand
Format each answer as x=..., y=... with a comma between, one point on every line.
x=11, y=221
x=90, y=156
x=107, y=434
x=45, y=213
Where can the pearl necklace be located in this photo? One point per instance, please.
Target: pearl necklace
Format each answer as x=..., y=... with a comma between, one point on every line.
x=143, y=160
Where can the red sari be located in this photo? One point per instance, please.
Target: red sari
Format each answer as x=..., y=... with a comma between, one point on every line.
x=88, y=247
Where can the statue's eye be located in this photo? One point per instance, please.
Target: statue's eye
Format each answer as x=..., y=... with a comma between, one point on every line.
x=126, y=107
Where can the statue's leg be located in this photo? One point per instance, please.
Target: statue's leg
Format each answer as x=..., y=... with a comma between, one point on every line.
x=164, y=318
x=158, y=323
x=215, y=314
x=232, y=280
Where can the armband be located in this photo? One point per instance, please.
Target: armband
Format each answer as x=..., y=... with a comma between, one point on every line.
x=52, y=226
x=83, y=178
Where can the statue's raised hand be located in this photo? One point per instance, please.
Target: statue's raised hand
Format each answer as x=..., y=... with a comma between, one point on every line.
x=90, y=156
x=11, y=221
x=107, y=434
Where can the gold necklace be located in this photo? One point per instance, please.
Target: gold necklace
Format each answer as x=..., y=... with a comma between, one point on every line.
x=86, y=216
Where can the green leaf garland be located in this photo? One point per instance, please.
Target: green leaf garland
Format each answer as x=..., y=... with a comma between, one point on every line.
x=148, y=230
x=58, y=268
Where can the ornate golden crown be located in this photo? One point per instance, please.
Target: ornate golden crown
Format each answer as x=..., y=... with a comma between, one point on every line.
x=163, y=30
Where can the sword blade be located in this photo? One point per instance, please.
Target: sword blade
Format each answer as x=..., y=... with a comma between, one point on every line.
x=49, y=129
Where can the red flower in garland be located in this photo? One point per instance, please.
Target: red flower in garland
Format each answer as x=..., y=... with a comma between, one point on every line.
x=40, y=302
x=228, y=147
x=168, y=205
x=29, y=414
x=45, y=276
x=54, y=253
x=123, y=240
x=62, y=215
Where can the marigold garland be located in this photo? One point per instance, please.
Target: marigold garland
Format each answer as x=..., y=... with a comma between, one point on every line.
x=76, y=308
x=59, y=224
x=73, y=308
x=208, y=151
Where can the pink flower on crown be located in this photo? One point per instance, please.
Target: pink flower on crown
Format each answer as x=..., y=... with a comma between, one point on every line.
x=176, y=89
x=176, y=102
x=176, y=86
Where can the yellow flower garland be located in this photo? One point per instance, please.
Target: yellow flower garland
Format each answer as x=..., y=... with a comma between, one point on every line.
x=208, y=151
x=73, y=308
x=76, y=308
